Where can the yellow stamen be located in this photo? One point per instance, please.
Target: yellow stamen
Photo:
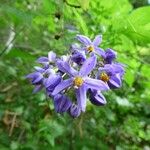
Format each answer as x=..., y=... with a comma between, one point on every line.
x=90, y=48
x=78, y=81
x=104, y=77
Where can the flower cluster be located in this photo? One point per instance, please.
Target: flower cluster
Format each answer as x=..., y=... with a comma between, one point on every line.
x=88, y=71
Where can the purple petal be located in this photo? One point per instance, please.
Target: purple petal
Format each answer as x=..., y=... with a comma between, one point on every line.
x=39, y=69
x=52, y=81
x=66, y=68
x=95, y=84
x=110, y=55
x=51, y=56
x=61, y=103
x=31, y=75
x=81, y=97
x=88, y=66
x=78, y=57
x=49, y=71
x=115, y=81
x=83, y=39
x=63, y=85
x=97, y=98
x=97, y=40
x=42, y=60
x=37, y=79
x=99, y=51
x=75, y=111
x=37, y=88
x=112, y=69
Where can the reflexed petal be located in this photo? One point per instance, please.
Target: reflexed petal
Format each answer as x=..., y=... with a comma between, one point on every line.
x=51, y=56
x=75, y=111
x=62, y=85
x=97, y=40
x=115, y=81
x=96, y=84
x=119, y=68
x=37, y=79
x=97, y=98
x=37, y=88
x=78, y=57
x=81, y=97
x=52, y=81
x=66, y=68
x=61, y=103
x=88, y=66
x=42, y=60
x=39, y=69
x=49, y=71
x=32, y=75
x=83, y=39
x=110, y=55
x=100, y=51
x=112, y=69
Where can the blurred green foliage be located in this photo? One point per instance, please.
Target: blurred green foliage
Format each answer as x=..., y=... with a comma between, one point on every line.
x=31, y=28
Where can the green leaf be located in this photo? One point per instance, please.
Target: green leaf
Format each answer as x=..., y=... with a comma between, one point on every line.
x=16, y=15
x=81, y=23
x=84, y=4
x=21, y=54
x=138, y=25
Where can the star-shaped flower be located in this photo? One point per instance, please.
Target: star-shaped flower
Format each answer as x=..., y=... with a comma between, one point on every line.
x=80, y=80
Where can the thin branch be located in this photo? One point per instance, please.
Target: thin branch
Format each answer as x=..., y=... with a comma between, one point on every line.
x=21, y=134
x=12, y=125
x=10, y=42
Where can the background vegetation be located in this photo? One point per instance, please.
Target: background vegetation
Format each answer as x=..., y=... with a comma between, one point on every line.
x=31, y=28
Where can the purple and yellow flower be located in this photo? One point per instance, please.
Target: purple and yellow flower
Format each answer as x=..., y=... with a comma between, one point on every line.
x=111, y=74
x=80, y=80
x=79, y=72
x=91, y=46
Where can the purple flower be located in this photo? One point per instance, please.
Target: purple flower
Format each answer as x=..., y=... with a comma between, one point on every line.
x=111, y=74
x=78, y=57
x=39, y=75
x=44, y=78
x=75, y=111
x=97, y=98
x=35, y=77
x=78, y=72
x=36, y=80
x=109, y=56
x=47, y=60
x=91, y=46
x=61, y=103
x=80, y=80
